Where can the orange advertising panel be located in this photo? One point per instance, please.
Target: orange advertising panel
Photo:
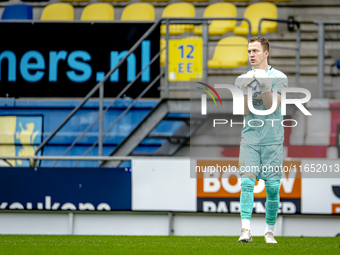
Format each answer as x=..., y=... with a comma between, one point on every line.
x=228, y=185
x=219, y=186
x=335, y=208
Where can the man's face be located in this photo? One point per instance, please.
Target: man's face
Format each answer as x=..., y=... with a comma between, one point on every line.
x=256, y=54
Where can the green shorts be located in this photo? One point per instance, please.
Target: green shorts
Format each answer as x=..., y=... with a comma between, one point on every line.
x=265, y=161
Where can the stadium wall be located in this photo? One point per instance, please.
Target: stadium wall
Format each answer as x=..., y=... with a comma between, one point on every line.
x=166, y=197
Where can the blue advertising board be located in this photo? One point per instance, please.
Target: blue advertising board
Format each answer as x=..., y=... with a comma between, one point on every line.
x=68, y=59
x=28, y=188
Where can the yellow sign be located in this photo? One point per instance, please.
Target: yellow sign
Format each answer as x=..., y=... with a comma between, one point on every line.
x=185, y=59
x=19, y=136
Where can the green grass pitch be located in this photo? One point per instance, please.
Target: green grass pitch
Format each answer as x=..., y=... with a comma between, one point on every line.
x=35, y=244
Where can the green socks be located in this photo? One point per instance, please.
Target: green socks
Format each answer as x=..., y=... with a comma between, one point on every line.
x=247, y=197
x=273, y=200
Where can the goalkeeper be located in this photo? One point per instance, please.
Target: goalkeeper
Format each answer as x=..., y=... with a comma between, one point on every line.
x=261, y=149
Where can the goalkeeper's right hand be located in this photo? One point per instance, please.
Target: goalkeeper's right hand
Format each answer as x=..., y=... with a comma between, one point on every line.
x=264, y=80
x=246, y=81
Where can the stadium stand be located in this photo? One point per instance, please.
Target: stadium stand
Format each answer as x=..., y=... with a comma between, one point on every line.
x=178, y=10
x=255, y=12
x=58, y=11
x=230, y=52
x=98, y=11
x=18, y=11
x=219, y=27
x=138, y=11
x=304, y=11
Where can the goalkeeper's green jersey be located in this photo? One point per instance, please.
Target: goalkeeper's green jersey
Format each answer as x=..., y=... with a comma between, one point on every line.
x=271, y=131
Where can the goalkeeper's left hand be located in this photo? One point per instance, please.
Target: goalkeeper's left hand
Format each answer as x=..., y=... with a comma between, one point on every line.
x=246, y=81
x=263, y=79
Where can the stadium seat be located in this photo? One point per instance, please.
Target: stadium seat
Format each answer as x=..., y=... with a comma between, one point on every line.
x=98, y=11
x=219, y=27
x=254, y=13
x=18, y=11
x=139, y=11
x=178, y=10
x=230, y=52
x=58, y=11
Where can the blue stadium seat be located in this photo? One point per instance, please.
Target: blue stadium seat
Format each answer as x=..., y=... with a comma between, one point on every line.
x=18, y=11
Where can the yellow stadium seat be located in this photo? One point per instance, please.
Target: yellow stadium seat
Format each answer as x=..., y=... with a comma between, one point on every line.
x=255, y=12
x=98, y=11
x=178, y=10
x=219, y=27
x=58, y=11
x=138, y=11
x=230, y=52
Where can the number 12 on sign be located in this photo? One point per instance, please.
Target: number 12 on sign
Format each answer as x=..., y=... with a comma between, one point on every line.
x=185, y=59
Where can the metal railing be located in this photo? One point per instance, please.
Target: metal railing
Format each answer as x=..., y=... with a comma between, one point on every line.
x=321, y=54
x=33, y=159
x=100, y=86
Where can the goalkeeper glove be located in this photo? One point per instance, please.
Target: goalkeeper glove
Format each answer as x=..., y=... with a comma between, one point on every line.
x=246, y=81
x=263, y=79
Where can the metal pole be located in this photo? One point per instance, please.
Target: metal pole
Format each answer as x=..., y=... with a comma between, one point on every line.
x=205, y=34
x=101, y=117
x=166, y=75
x=297, y=58
x=170, y=224
x=321, y=52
